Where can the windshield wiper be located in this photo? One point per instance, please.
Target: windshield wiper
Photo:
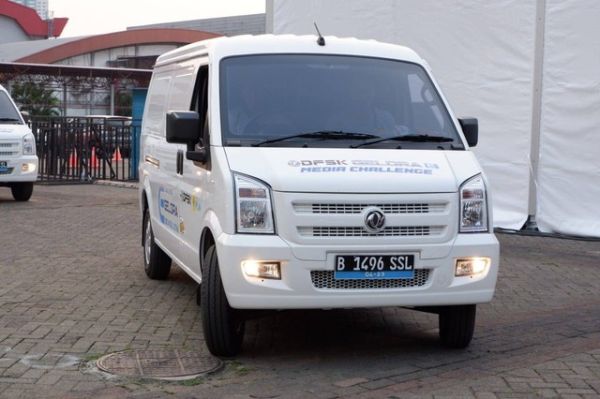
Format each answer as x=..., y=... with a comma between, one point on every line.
x=9, y=120
x=408, y=137
x=321, y=134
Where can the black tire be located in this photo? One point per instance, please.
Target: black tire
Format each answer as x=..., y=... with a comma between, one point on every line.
x=22, y=191
x=457, y=324
x=223, y=326
x=157, y=264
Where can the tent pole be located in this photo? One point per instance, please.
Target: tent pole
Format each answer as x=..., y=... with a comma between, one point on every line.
x=536, y=120
x=269, y=15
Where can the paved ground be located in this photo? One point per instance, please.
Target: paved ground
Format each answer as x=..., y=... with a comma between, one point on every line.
x=72, y=288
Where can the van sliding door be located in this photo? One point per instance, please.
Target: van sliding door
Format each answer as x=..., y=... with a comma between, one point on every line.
x=194, y=179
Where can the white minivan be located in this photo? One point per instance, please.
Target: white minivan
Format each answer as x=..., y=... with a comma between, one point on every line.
x=296, y=172
x=18, y=159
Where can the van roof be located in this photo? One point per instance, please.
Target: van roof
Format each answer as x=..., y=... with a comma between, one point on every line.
x=222, y=47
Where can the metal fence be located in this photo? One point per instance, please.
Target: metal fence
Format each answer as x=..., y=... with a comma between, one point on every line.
x=84, y=149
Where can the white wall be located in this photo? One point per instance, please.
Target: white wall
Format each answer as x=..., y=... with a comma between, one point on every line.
x=11, y=31
x=569, y=173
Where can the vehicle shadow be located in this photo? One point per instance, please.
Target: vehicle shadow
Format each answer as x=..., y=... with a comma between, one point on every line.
x=347, y=333
x=339, y=335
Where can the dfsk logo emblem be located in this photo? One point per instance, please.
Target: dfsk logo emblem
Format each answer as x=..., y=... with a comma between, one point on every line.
x=375, y=221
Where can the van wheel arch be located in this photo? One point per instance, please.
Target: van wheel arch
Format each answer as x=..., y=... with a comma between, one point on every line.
x=206, y=241
x=144, y=207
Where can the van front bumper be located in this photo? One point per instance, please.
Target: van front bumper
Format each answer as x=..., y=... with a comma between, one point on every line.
x=19, y=170
x=296, y=289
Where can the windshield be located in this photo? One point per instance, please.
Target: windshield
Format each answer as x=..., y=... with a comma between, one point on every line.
x=8, y=112
x=331, y=101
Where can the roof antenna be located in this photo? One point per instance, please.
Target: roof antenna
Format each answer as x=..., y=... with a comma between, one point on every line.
x=321, y=39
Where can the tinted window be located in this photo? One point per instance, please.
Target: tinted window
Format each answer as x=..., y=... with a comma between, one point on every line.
x=157, y=99
x=270, y=96
x=8, y=112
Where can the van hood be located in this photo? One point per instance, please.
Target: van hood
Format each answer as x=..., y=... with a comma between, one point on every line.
x=13, y=132
x=347, y=170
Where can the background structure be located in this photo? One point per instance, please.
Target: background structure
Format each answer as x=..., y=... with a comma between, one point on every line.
x=528, y=69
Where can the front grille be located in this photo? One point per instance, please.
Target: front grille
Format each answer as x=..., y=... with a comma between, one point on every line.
x=391, y=231
x=7, y=171
x=324, y=280
x=390, y=208
x=9, y=149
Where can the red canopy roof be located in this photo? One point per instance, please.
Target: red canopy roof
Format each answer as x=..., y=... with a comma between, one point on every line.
x=29, y=20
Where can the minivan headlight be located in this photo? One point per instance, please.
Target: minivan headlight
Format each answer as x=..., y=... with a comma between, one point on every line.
x=473, y=206
x=254, y=213
x=29, y=145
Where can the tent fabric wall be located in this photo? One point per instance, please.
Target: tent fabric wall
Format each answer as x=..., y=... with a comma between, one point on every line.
x=568, y=183
x=482, y=54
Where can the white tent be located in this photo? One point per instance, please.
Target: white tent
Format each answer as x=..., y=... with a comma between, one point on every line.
x=528, y=69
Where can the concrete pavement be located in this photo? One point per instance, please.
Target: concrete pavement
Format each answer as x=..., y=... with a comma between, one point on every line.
x=72, y=288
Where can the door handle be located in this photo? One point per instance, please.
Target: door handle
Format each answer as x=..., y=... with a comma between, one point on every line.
x=179, y=162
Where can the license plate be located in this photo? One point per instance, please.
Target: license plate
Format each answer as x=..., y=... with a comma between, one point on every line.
x=3, y=166
x=374, y=267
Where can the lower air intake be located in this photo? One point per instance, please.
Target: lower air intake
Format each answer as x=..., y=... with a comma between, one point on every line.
x=324, y=280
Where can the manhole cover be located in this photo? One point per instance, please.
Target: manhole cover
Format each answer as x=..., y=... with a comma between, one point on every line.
x=160, y=364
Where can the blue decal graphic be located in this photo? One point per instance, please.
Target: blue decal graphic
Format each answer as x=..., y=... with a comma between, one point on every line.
x=167, y=209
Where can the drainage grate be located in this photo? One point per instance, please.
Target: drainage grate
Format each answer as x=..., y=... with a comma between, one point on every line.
x=159, y=364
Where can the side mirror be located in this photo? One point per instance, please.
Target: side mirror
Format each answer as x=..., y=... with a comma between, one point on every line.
x=26, y=116
x=470, y=128
x=183, y=127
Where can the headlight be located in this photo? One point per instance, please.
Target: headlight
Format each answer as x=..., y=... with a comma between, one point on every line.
x=29, y=145
x=473, y=206
x=253, y=206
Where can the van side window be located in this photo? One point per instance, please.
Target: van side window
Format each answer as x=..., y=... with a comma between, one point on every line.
x=155, y=116
x=200, y=103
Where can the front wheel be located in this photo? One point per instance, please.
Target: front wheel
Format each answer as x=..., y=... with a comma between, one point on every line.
x=457, y=324
x=223, y=326
x=22, y=191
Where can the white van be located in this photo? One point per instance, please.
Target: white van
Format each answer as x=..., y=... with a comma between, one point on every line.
x=18, y=160
x=290, y=172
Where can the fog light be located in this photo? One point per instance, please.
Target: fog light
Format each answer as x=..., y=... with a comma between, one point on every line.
x=28, y=167
x=471, y=266
x=262, y=269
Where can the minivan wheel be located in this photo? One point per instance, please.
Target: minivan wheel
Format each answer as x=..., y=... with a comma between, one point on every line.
x=22, y=191
x=157, y=263
x=223, y=326
x=457, y=324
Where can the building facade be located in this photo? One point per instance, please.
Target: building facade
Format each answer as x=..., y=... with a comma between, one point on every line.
x=95, y=91
x=253, y=24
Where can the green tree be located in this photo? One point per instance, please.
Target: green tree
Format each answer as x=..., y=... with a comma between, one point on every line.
x=35, y=99
x=123, y=103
